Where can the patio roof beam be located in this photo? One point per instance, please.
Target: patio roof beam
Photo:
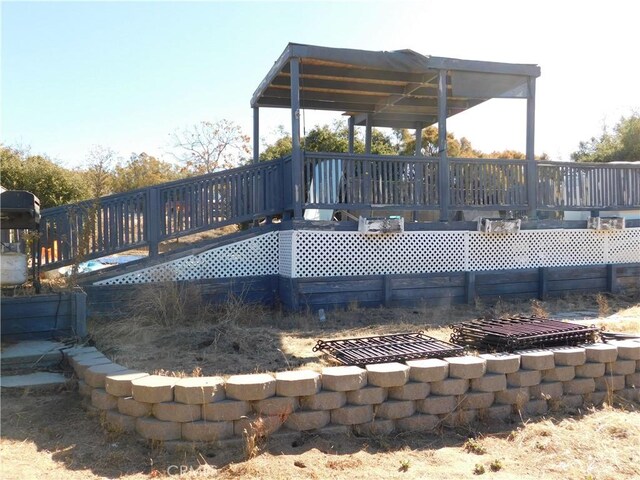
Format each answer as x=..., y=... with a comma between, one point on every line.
x=409, y=90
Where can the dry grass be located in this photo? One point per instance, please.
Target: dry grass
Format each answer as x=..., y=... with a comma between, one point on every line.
x=186, y=335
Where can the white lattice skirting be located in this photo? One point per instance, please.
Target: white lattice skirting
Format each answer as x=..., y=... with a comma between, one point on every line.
x=313, y=253
x=253, y=257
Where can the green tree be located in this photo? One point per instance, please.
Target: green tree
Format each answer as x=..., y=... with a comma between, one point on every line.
x=143, y=170
x=620, y=145
x=52, y=184
x=330, y=138
x=407, y=143
x=280, y=148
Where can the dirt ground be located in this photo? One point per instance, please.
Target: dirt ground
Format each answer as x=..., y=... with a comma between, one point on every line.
x=51, y=437
x=171, y=334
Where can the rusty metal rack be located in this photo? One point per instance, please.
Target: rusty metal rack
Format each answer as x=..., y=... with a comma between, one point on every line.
x=387, y=348
x=517, y=332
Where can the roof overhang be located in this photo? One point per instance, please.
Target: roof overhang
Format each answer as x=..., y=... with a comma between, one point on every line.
x=392, y=89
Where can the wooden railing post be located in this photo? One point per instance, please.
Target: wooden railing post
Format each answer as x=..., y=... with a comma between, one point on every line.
x=296, y=150
x=152, y=216
x=532, y=168
x=443, y=177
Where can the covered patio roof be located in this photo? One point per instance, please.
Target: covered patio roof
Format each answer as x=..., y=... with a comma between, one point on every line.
x=396, y=89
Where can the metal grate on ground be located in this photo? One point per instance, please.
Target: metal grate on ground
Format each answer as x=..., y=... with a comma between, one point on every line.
x=387, y=348
x=518, y=332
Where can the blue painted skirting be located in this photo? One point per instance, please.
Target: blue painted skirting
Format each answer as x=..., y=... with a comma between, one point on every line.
x=44, y=316
x=430, y=289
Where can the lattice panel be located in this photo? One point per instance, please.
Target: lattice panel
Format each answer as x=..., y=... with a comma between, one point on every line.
x=329, y=254
x=253, y=257
x=624, y=246
x=535, y=248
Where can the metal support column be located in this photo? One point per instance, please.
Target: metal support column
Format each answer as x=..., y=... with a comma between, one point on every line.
x=296, y=151
x=443, y=177
x=532, y=169
x=366, y=186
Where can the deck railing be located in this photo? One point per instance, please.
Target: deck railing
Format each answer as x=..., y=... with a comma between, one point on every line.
x=580, y=186
x=143, y=218
x=343, y=181
x=482, y=184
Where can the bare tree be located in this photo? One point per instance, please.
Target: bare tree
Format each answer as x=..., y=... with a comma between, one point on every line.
x=100, y=161
x=208, y=147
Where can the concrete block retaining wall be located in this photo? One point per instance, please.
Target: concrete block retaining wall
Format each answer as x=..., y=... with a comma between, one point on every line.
x=420, y=395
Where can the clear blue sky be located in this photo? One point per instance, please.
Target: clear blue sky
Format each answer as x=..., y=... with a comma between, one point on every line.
x=127, y=74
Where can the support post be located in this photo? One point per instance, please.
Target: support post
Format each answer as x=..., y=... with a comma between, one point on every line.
x=612, y=278
x=351, y=123
x=418, y=152
x=152, y=223
x=419, y=174
x=532, y=169
x=443, y=177
x=367, y=136
x=366, y=186
x=470, y=287
x=387, y=292
x=79, y=309
x=543, y=286
x=296, y=150
x=256, y=134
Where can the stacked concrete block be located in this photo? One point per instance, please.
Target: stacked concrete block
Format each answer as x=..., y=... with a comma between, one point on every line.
x=376, y=427
x=102, y=400
x=153, y=389
x=117, y=422
x=298, y=383
x=199, y=390
x=437, y=404
x=501, y=363
x=276, y=406
x=418, y=423
x=250, y=387
x=429, y=370
x=308, y=420
x=395, y=409
x=388, y=374
x=375, y=400
x=367, y=396
x=177, y=412
x=536, y=360
x=323, y=401
x=95, y=376
x=133, y=408
x=466, y=367
x=119, y=383
x=569, y=356
x=410, y=391
x=203, y=431
x=158, y=430
x=343, y=379
x=225, y=410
